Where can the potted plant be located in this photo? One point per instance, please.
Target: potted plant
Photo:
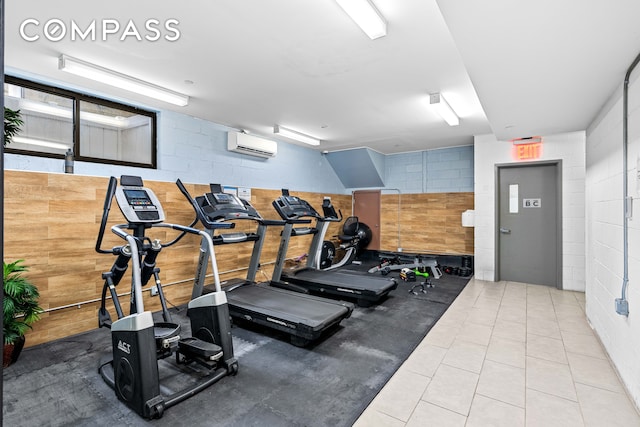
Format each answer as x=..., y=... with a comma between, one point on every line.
x=12, y=124
x=21, y=309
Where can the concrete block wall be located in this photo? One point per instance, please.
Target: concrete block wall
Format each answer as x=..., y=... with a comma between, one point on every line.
x=620, y=335
x=449, y=170
x=405, y=172
x=443, y=170
x=568, y=147
x=195, y=151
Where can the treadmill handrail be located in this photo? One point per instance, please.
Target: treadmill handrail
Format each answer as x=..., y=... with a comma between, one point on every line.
x=329, y=211
x=303, y=209
x=230, y=213
x=330, y=219
x=271, y=222
x=303, y=231
x=298, y=221
x=292, y=208
x=203, y=218
x=206, y=238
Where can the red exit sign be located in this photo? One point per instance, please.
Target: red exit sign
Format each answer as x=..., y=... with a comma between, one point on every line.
x=527, y=148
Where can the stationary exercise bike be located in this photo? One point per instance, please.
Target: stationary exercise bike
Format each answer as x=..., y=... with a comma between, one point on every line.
x=138, y=343
x=354, y=238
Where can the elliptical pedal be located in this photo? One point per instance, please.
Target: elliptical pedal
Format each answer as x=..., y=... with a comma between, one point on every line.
x=195, y=347
x=167, y=335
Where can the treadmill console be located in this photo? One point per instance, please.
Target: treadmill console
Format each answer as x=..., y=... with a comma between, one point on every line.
x=219, y=206
x=138, y=204
x=292, y=207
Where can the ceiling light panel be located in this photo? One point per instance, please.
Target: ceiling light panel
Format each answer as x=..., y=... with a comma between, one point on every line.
x=119, y=80
x=365, y=14
x=298, y=136
x=444, y=109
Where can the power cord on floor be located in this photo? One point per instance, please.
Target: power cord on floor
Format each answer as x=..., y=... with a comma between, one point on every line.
x=177, y=309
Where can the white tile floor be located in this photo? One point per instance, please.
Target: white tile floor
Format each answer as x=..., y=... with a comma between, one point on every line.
x=506, y=354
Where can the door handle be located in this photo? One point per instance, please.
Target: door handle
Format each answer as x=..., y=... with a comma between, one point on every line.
x=505, y=230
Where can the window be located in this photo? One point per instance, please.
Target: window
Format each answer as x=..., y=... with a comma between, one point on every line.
x=96, y=130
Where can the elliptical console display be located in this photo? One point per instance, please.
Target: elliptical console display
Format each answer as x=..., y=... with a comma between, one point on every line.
x=139, y=205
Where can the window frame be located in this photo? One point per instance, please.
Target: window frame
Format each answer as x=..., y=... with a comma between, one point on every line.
x=76, y=97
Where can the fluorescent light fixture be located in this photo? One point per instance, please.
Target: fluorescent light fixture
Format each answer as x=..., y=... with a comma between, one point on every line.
x=288, y=133
x=365, y=14
x=444, y=109
x=119, y=80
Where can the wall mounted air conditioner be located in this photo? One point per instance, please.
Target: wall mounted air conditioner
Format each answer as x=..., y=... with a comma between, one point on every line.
x=252, y=145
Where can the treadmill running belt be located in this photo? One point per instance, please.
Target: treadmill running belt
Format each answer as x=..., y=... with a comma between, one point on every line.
x=314, y=312
x=356, y=282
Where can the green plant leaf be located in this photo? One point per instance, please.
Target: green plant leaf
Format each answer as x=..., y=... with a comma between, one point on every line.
x=12, y=124
x=20, y=304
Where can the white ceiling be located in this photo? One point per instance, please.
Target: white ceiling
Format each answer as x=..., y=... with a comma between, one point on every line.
x=513, y=68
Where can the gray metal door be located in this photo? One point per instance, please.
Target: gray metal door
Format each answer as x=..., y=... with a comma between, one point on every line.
x=529, y=234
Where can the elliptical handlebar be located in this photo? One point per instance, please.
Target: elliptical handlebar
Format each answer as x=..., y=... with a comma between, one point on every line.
x=138, y=339
x=111, y=190
x=108, y=200
x=135, y=242
x=204, y=235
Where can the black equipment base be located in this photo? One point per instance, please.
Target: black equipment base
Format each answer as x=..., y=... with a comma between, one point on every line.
x=366, y=290
x=304, y=317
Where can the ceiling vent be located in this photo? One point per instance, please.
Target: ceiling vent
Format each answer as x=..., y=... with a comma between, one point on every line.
x=252, y=145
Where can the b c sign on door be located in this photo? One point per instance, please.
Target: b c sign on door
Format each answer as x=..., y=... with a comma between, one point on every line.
x=531, y=203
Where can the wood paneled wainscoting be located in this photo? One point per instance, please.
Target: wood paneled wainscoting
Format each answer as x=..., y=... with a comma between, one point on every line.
x=426, y=223
x=52, y=221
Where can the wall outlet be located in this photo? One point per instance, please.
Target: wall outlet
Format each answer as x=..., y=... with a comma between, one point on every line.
x=399, y=249
x=154, y=291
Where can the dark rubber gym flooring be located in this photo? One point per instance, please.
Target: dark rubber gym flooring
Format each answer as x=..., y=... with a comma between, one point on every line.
x=327, y=384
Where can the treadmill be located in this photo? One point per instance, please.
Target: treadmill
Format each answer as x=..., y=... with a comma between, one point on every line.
x=366, y=290
x=303, y=317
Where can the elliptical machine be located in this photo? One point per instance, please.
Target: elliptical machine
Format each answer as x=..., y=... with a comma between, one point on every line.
x=138, y=343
